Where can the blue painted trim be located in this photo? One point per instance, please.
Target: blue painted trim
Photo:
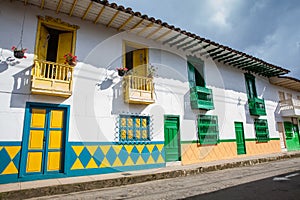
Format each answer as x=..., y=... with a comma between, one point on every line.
x=26, y=129
x=12, y=143
x=82, y=172
x=8, y=178
x=110, y=143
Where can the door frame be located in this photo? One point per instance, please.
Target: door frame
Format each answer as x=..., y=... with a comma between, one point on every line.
x=26, y=128
x=178, y=135
x=244, y=140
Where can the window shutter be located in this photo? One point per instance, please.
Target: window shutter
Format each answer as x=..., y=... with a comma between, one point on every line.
x=64, y=46
x=139, y=62
x=43, y=43
x=191, y=75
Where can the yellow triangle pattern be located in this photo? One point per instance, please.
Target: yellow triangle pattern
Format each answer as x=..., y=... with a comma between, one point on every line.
x=160, y=147
x=129, y=148
x=117, y=162
x=150, y=160
x=105, y=149
x=129, y=162
x=12, y=151
x=10, y=169
x=140, y=161
x=92, y=149
x=1, y=148
x=160, y=159
x=140, y=148
x=92, y=164
x=77, y=149
x=77, y=165
x=117, y=149
x=150, y=147
x=104, y=163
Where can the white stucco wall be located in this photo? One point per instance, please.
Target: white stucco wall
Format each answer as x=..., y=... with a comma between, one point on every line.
x=97, y=93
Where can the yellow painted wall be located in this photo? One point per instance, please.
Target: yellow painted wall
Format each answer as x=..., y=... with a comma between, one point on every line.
x=194, y=153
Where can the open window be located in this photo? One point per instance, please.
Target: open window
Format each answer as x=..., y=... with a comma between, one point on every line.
x=200, y=96
x=256, y=105
x=138, y=84
x=51, y=75
x=136, y=59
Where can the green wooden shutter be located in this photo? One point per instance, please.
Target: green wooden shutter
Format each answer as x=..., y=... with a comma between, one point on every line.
x=250, y=86
x=261, y=129
x=191, y=75
x=208, y=131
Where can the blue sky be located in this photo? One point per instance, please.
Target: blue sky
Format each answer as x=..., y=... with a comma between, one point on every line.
x=267, y=29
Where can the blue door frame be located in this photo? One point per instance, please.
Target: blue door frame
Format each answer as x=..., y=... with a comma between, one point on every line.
x=25, y=140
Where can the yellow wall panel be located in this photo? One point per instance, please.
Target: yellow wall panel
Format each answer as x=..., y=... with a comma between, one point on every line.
x=54, y=161
x=38, y=118
x=36, y=139
x=56, y=119
x=34, y=162
x=55, y=139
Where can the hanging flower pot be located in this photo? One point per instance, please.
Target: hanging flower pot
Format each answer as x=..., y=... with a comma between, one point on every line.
x=19, y=53
x=70, y=59
x=122, y=71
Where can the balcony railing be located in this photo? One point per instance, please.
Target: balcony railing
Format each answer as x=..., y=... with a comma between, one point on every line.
x=257, y=106
x=138, y=89
x=201, y=98
x=51, y=78
x=290, y=107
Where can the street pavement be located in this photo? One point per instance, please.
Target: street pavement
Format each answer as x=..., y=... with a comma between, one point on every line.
x=271, y=180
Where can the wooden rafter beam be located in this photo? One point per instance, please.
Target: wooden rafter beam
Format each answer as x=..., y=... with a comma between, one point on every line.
x=246, y=64
x=99, y=14
x=163, y=35
x=216, y=53
x=192, y=45
x=208, y=51
x=112, y=19
x=179, y=41
x=145, y=28
x=221, y=56
x=158, y=29
x=203, y=47
x=172, y=38
x=238, y=61
x=58, y=6
x=126, y=22
x=137, y=24
x=73, y=7
x=25, y=2
x=232, y=59
x=42, y=4
x=186, y=43
x=87, y=10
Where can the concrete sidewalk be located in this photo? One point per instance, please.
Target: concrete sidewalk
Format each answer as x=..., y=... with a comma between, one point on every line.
x=30, y=189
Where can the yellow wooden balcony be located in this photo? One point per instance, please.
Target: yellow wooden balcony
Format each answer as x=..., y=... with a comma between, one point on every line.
x=138, y=89
x=50, y=78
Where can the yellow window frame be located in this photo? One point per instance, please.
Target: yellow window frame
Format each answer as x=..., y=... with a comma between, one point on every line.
x=54, y=23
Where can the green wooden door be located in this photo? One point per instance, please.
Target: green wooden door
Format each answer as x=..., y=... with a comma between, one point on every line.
x=240, y=138
x=291, y=136
x=172, y=139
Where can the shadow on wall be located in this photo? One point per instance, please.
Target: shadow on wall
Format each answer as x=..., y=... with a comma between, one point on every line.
x=249, y=118
x=21, y=88
x=118, y=104
x=189, y=113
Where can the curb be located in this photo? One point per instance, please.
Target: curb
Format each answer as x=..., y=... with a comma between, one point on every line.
x=99, y=184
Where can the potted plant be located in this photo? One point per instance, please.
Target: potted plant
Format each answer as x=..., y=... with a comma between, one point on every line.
x=151, y=71
x=19, y=53
x=122, y=71
x=70, y=59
